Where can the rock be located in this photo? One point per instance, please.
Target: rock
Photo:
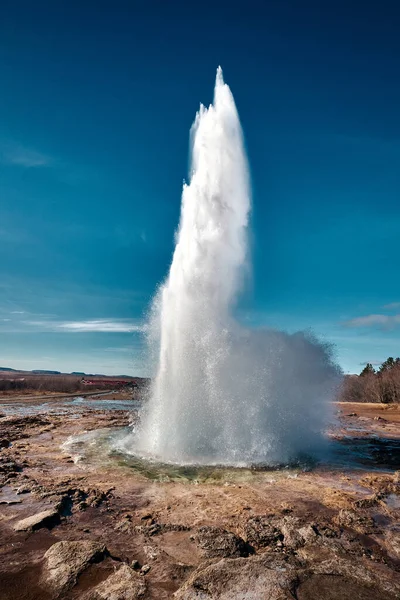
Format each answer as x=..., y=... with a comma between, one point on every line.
x=322, y=586
x=215, y=542
x=256, y=578
x=124, y=525
x=8, y=466
x=272, y=577
x=308, y=533
x=352, y=574
x=64, y=561
x=8, y=496
x=17, y=427
x=152, y=529
x=292, y=537
x=146, y=516
x=356, y=521
x=46, y=518
x=262, y=531
x=367, y=502
x=24, y=489
x=151, y=552
x=392, y=539
x=4, y=443
x=145, y=569
x=124, y=584
x=295, y=536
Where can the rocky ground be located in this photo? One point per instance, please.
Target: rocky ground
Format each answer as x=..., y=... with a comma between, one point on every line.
x=80, y=530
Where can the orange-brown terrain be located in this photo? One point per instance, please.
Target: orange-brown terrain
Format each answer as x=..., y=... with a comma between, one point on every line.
x=78, y=524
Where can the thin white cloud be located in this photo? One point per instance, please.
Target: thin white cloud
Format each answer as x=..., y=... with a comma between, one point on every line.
x=100, y=325
x=375, y=320
x=89, y=326
x=119, y=350
x=21, y=156
x=392, y=306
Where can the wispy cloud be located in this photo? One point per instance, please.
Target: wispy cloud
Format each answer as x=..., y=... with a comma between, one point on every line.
x=392, y=306
x=88, y=326
x=103, y=325
x=374, y=320
x=122, y=350
x=19, y=155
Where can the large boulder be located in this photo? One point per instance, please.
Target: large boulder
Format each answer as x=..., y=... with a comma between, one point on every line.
x=65, y=561
x=124, y=584
x=273, y=577
x=257, y=578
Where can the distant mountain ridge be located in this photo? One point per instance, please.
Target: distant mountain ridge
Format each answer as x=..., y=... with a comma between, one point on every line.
x=76, y=373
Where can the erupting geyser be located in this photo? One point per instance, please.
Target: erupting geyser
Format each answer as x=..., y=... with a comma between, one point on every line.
x=223, y=394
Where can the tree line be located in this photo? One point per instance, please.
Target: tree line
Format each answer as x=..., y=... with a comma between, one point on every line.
x=374, y=385
x=40, y=383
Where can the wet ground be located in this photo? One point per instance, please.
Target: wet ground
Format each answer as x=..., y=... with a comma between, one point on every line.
x=322, y=526
x=71, y=406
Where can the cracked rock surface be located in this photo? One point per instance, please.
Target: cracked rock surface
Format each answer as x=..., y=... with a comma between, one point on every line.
x=98, y=530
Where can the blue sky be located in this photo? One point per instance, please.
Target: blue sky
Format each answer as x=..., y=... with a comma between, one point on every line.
x=96, y=103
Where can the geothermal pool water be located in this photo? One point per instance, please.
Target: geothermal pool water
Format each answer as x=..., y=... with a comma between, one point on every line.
x=66, y=406
x=348, y=454
x=223, y=393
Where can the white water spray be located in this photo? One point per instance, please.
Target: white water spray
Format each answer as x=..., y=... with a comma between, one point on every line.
x=223, y=394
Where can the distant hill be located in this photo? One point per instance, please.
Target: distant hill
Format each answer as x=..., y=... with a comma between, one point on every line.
x=73, y=374
x=45, y=372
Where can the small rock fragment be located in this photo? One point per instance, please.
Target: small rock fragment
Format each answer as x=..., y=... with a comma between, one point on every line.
x=46, y=518
x=215, y=542
x=145, y=569
x=23, y=489
x=124, y=584
x=356, y=521
x=292, y=537
x=262, y=531
x=151, y=552
x=146, y=516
